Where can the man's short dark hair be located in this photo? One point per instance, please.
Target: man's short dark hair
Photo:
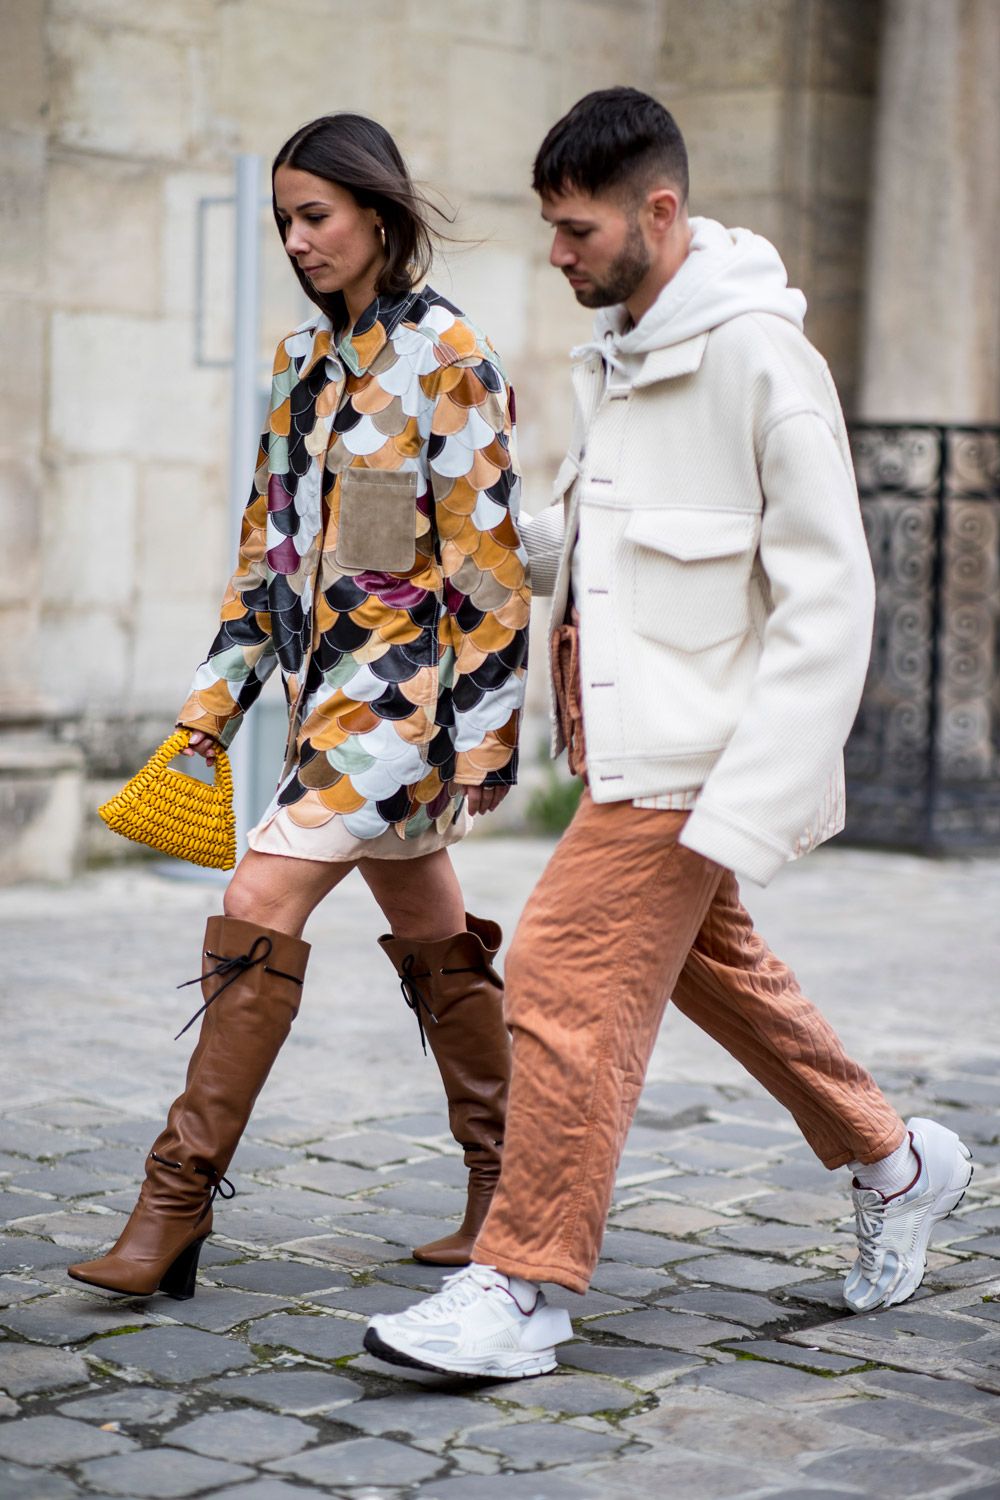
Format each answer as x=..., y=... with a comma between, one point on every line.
x=613, y=139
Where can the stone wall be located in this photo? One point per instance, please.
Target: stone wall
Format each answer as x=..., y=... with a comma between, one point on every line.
x=935, y=356
x=131, y=419
x=41, y=766
x=117, y=119
x=776, y=100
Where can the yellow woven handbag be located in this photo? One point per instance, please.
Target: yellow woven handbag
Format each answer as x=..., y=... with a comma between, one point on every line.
x=175, y=813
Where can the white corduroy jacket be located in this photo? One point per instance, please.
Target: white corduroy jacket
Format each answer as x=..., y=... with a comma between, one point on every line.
x=721, y=571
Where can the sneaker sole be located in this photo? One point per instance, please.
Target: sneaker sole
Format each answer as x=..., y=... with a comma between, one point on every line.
x=945, y=1207
x=495, y=1366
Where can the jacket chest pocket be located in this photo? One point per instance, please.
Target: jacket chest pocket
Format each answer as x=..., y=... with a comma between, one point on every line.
x=378, y=521
x=691, y=581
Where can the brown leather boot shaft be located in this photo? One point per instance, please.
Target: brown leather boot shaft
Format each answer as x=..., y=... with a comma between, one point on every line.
x=251, y=987
x=459, y=999
x=456, y=1249
x=249, y=1009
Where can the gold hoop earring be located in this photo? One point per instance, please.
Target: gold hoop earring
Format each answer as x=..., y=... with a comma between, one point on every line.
x=381, y=234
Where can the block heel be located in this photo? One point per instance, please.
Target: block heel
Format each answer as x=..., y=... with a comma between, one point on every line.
x=180, y=1279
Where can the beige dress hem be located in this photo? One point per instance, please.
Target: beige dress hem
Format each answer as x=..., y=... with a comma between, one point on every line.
x=332, y=843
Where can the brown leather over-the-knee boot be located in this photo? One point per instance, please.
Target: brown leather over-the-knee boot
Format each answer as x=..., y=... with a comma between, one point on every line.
x=251, y=983
x=457, y=996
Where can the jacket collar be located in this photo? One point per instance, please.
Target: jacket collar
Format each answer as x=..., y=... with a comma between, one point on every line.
x=364, y=343
x=659, y=364
x=361, y=346
x=676, y=359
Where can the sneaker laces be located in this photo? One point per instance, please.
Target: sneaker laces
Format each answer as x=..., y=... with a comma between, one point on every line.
x=458, y=1290
x=869, y=1219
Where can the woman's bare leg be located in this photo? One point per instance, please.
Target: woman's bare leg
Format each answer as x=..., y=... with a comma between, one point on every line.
x=420, y=898
x=277, y=891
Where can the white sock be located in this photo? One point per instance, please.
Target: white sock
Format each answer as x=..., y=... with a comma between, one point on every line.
x=890, y=1175
x=524, y=1292
x=513, y=1281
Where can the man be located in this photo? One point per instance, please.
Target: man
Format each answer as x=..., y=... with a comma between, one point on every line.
x=714, y=562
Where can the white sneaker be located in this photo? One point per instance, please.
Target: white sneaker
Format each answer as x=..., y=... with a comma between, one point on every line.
x=481, y=1322
x=894, y=1232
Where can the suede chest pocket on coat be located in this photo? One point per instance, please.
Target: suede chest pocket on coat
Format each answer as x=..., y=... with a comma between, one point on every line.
x=378, y=521
x=692, y=574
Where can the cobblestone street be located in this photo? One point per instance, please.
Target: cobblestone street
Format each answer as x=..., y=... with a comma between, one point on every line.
x=713, y=1355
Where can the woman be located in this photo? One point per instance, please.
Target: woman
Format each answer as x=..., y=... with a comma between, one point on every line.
x=380, y=569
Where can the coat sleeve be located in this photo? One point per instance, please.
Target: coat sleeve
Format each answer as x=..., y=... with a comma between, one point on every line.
x=484, y=630
x=544, y=534
x=543, y=537
x=242, y=656
x=814, y=656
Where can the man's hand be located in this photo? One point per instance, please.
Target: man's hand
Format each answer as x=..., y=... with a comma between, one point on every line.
x=482, y=799
x=201, y=744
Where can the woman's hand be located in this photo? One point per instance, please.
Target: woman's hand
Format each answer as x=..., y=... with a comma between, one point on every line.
x=201, y=744
x=482, y=799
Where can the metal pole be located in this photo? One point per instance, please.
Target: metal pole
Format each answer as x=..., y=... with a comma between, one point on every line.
x=244, y=433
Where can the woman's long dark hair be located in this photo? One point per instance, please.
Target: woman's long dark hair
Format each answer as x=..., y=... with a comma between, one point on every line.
x=360, y=155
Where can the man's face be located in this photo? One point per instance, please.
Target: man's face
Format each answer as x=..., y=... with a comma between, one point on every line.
x=599, y=246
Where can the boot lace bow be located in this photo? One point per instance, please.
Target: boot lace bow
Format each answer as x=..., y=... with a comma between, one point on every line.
x=415, y=997
x=219, y=1184
x=231, y=969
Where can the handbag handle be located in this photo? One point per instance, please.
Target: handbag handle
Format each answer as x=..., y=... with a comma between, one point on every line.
x=178, y=741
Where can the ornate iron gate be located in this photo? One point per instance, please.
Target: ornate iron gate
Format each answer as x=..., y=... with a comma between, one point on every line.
x=923, y=760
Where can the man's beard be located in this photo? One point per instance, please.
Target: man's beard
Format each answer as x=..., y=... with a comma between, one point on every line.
x=625, y=273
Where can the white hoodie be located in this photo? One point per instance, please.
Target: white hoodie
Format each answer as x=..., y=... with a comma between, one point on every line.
x=721, y=574
x=727, y=272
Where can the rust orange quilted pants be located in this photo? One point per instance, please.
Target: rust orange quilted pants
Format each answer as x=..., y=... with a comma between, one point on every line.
x=623, y=918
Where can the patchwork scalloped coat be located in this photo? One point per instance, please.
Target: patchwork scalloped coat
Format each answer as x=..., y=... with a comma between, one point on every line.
x=381, y=569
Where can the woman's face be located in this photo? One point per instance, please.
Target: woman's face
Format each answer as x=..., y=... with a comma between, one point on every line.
x=332, y=240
